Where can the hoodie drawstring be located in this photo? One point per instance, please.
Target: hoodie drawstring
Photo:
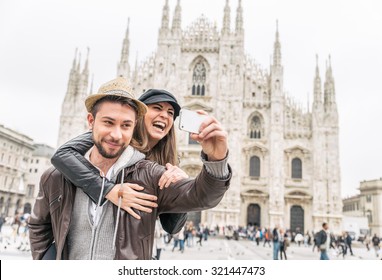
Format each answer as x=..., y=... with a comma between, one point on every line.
x=120, y=196
x=96, y=215
x=99, y=202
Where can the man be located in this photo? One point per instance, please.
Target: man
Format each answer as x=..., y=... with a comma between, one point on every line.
x=348, y=241
x=83, y=230
x=323, y=241
x=276, y=242
x=375, y=241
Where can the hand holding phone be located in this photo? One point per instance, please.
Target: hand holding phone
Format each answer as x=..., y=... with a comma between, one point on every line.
x=190, y=120
x=213, y=137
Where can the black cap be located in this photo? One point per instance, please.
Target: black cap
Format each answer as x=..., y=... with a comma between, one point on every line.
x=153, y=96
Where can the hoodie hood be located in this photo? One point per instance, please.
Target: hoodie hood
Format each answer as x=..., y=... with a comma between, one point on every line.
x=128, y=158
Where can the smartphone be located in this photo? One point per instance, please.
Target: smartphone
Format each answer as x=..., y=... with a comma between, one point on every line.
x=190, y=120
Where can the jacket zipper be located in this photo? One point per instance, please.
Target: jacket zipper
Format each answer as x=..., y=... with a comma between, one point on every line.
x=58, y=199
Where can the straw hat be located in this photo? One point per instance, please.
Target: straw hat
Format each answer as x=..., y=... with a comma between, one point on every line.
x=116, y=87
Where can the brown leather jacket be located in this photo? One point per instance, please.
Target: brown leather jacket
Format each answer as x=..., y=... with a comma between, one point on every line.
x=51, y=214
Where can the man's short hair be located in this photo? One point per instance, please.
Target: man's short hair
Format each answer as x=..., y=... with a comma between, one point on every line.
x=324, y=224
x=114, y=99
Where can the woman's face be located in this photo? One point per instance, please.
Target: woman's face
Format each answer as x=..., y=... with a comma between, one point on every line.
x=159, y=119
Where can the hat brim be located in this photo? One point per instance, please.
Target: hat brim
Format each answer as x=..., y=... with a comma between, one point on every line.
x=92, y=99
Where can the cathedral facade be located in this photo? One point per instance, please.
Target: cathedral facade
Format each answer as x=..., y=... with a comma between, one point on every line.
x=285, y=160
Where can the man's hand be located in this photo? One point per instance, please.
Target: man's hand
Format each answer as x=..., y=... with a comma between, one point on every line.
x=212, y=137
x=173, y=174
x=132, y=198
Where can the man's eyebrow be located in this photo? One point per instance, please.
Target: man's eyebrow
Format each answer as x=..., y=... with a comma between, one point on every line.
x=108, y=118
x=128, y=121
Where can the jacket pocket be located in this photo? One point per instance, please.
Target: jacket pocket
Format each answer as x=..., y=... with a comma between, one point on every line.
x=55, y=202
x=147, y=250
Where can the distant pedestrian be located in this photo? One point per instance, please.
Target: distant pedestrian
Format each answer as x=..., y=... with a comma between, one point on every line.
x=199, y=234
x=267, y=237
x=348, y=241
x=276, y=242
x=206, y=232
x=367, y=242
x=309, y=238
x=158, y=240
x=283, y=244
x=323, y=241
x=375, y=241
x=314, y=240
x=299, y=238
x=2, y=221
x=257, y=236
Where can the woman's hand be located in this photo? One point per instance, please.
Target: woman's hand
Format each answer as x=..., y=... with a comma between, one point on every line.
x=213, y=138
x=173, y=174
x=132, y=198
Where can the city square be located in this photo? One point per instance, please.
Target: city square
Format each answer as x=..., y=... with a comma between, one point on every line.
x=214, y=248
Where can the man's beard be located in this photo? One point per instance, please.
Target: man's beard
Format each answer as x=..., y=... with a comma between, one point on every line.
x=105, y=154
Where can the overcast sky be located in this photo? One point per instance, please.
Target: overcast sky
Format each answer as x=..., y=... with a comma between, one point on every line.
x=38, y=40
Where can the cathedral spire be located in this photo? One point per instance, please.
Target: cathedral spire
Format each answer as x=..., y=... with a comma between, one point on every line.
x=165, y=16
x=277, y=48
x=329, y=90
x=72, y=109
x=177, y=19
x=79, y=63
x=135, y=73
x=317, y=85
x=91, y=85
x=226, y=19
x=74, y=60
x=86, y=67
x=239, y=19
x=123, y=69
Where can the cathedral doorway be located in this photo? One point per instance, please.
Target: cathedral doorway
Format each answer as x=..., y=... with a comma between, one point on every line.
x=27, y=208
x=195, y=217
x=253, y=214
x=297, y=219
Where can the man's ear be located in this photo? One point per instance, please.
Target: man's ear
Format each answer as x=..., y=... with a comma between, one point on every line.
x=91, y=120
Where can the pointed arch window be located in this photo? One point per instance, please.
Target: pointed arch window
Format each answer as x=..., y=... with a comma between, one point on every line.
x=255, y=128
x=296, y=168
x=254, y=166
x=199, y=79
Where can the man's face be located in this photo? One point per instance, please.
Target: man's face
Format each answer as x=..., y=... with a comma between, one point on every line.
x=113, y=128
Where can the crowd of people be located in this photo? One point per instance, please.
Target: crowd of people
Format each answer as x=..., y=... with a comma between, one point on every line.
x=14, y=231
x=277, y=238
x=191, y=235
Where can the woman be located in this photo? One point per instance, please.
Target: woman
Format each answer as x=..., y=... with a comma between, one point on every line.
x=283, y=244
x=162, y=111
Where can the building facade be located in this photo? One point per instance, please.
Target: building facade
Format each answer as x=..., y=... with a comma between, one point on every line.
x=367, y=204
x=285, y=159
x=15, y=154
x=39, y=162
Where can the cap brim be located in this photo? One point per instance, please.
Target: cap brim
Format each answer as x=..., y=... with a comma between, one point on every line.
x=161, y=98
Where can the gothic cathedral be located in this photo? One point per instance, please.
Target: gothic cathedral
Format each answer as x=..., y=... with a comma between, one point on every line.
x=285, y=160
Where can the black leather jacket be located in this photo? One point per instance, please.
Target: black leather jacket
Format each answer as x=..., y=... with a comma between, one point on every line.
x=69, y=160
